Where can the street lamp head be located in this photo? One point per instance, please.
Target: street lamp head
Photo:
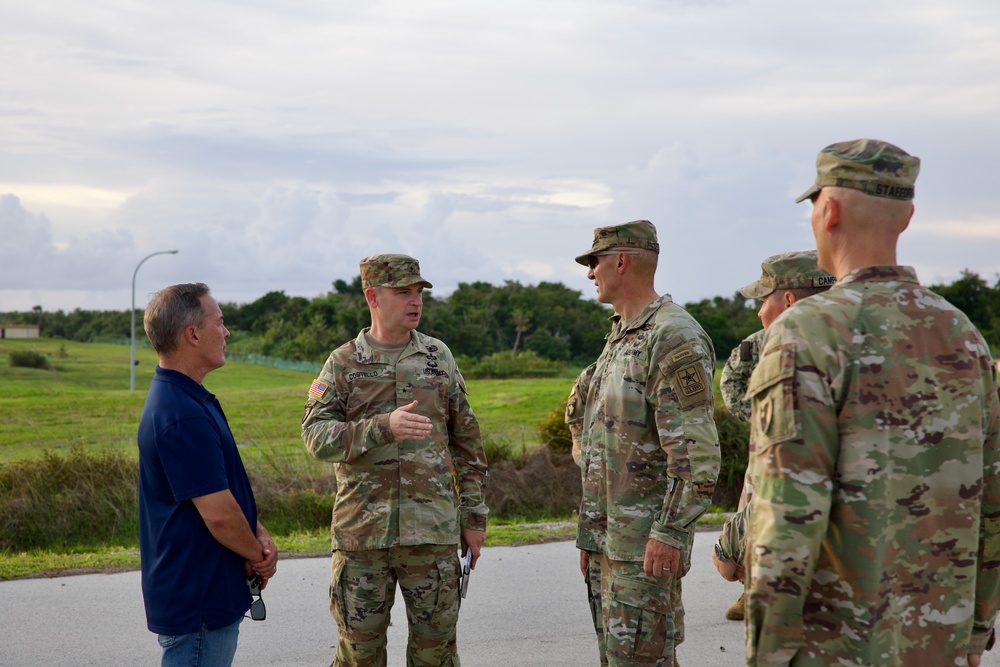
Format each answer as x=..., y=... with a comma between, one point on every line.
x=132, y=333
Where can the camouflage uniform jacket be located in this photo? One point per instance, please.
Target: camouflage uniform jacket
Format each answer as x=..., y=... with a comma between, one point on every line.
x=736, y=375
x=389, y=492
x=650, y=452
x=875, y=458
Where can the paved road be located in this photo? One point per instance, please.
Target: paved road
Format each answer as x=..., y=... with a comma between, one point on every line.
x=526, y=607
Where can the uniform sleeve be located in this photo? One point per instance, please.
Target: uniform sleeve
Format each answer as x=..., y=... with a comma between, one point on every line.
x=733, y=538
x=792, y=493
x=736, y=376
x=466, y=445
x=988, y=579
x=575, y=406
x=683, y=405
x=326, y=432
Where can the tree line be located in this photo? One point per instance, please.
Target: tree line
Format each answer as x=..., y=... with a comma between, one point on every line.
x=477, y=320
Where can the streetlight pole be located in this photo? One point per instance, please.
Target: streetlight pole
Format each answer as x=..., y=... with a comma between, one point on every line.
x=131, y=368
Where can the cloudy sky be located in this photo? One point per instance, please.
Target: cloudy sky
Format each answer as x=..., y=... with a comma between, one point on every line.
x=274, y=144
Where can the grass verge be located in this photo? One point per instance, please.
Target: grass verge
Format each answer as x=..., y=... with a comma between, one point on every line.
x=43, y=563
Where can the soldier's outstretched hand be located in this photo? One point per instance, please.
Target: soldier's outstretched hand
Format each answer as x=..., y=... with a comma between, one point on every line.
x=407, y=426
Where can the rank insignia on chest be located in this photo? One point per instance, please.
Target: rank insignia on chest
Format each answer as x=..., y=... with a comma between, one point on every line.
x=690, y=380
x=318, y=388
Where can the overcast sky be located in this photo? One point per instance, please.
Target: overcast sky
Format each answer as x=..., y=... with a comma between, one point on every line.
x=274, y=144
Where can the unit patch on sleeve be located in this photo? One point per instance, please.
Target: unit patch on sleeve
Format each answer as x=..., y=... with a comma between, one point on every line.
x=689, y=380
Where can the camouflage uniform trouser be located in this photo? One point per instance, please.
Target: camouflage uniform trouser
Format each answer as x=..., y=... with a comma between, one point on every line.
x=593, y=579
x=363, y=589
x=642, y=616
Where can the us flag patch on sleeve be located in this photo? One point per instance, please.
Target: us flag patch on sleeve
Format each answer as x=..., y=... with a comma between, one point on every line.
x=318, y=388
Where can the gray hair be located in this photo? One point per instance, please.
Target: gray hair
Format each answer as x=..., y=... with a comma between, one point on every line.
x=169, y=312
x=646, y=261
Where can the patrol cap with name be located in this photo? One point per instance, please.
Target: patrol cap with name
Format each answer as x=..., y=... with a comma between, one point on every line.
x=789, y=270
x=391, y=271
x=639, y=234
x=874, y=167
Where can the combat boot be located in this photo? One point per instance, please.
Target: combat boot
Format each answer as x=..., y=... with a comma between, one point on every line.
x=737, y=610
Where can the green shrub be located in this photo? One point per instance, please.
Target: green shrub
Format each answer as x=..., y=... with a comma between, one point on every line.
x=294, y=492
x=29, y=359
x=507, y=365
x=554, y=432
x=69, y=500
x=734, y=439
x=500, y=450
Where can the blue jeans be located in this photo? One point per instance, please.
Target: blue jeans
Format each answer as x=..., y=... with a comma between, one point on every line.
x=208, y=648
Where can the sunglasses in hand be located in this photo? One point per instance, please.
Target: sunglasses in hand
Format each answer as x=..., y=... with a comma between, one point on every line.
x=257, y=610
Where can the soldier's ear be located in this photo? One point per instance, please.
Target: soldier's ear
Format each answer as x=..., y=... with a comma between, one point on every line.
x=832, y=209
x=908, y=218
x=371, y=296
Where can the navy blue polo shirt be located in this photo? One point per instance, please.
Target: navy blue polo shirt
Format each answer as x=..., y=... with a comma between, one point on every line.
x=186, y=450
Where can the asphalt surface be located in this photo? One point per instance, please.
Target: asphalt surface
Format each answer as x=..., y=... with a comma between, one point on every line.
x=526, y=606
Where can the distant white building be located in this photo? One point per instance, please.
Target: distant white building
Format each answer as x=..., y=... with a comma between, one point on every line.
x=18, y=331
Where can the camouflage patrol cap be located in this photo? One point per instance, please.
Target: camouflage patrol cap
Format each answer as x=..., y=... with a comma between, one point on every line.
x=639, y=234
x=391, y=271
x=874, y=167
x=789, y=270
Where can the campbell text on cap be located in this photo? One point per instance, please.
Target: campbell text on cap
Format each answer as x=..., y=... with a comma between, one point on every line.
x=789, y=270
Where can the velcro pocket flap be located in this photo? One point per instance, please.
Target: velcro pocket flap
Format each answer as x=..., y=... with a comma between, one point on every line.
x=772, y=391
x=640, y=594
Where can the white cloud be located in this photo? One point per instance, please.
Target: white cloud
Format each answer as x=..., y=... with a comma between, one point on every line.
x=27, y=242
x=275, y=144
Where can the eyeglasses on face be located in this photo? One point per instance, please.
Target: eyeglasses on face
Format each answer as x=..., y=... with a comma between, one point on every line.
x=257, y=610
x=592, y=259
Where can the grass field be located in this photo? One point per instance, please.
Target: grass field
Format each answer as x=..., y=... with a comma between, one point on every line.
x=86, y=400
x=84, y=404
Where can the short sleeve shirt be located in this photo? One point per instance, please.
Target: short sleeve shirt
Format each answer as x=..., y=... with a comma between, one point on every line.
x=186, y=450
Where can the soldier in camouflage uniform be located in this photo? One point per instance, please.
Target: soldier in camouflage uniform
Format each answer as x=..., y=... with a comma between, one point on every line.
x=784, y=279
x=875, y=449
x=390, y=411
x=650, y=450
x=590, y=565
x=736, y=375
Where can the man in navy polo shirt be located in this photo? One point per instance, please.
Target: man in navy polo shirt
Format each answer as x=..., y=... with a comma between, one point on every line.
x=199, y=536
